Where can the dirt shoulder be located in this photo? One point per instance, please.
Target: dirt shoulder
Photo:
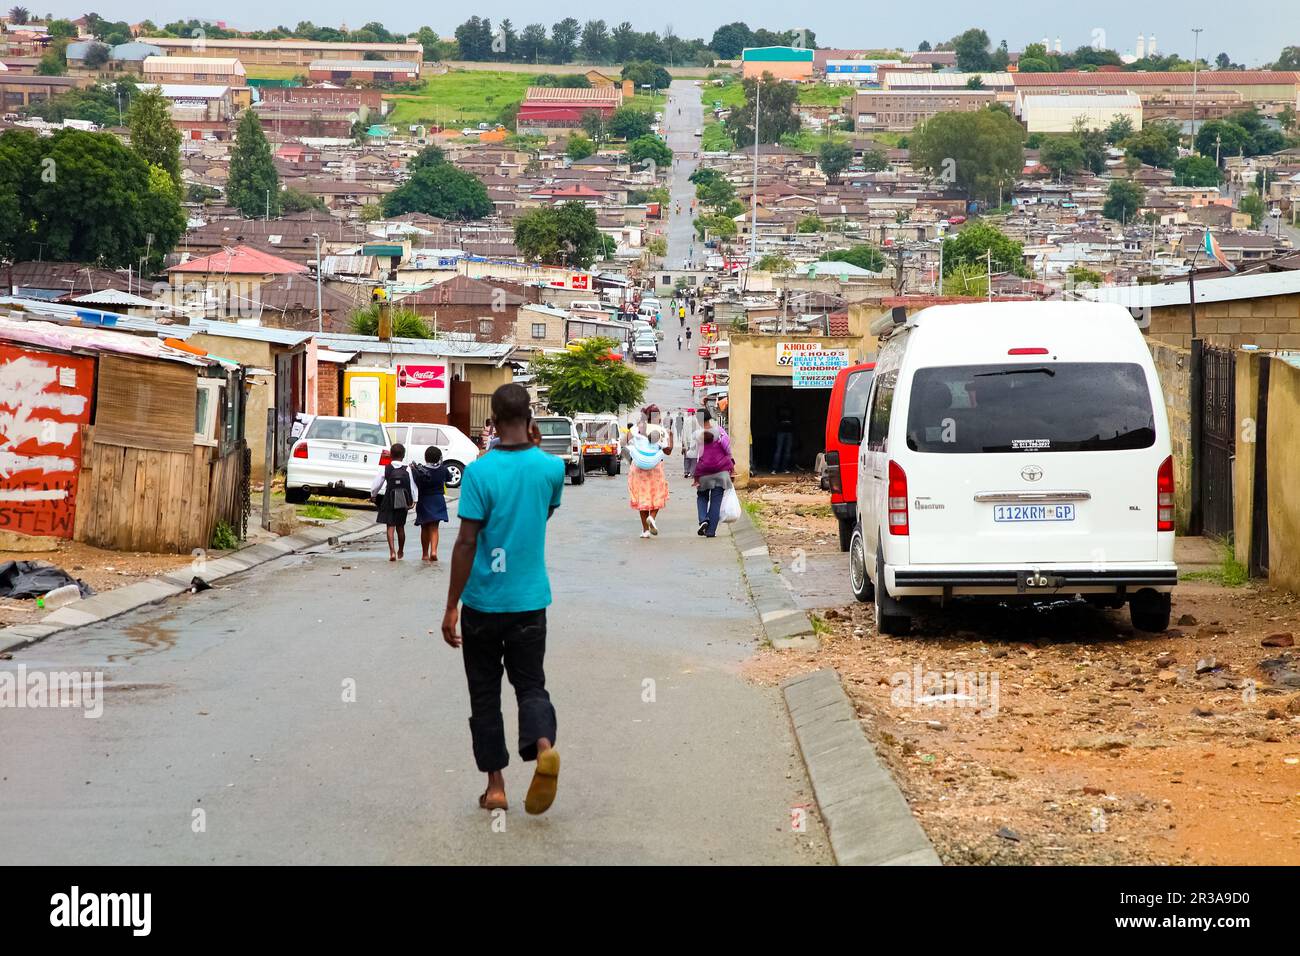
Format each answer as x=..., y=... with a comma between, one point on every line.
x=1060, y=735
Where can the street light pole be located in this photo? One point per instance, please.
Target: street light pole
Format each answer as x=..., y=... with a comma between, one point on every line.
x=1196, y=63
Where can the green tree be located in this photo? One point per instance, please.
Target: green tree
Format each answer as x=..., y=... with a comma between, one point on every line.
x=650, y=147
x=154, y=137
x=593, y=124
x=834, y=158
x=1085, y=277
x=776, y=117
x=579, y=147
x=427, y=157
x=295, y=200
x=1123, y=199
x=19, y=16
x=1196, y=171
x=628, y=123
x=977, y=152
x=1253, y=205
x=972, y=49
x=1120, y=128
x=717, y=224
x=774, y=262
x=810, y=223
x=562, y=235
x=441, y=190
x=97, y=54
x=973, y=245
x=1155, y=144
x=586, y=378
x=863, y=256
x=873, y=160
x=1063, y=155
x=253, y=185
x=85, y=197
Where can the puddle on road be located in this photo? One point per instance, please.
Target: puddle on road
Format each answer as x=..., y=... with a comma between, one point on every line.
x=152, y=636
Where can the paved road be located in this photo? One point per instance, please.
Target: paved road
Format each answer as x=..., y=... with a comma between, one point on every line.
x=680, y=127
x=231, y=701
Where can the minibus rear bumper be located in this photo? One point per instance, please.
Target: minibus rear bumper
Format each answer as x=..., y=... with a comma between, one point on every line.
x=1028, y=581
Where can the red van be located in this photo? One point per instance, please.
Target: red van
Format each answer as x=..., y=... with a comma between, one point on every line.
x=844, y=423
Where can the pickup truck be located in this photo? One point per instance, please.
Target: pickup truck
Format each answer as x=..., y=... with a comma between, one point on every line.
x=560, y=438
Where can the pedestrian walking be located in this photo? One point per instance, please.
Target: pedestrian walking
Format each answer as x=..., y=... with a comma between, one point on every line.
x=498, y=595
x=712, y=475
x=679, y=342
x=647, y=485
x=489, y=432
x=681, y=314
x=394, y=494
x=688, y=335
x=430, y=500
x=682, y=321
x=692, y=305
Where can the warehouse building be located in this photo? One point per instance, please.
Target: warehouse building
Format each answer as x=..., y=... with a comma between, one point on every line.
x=1058, y=112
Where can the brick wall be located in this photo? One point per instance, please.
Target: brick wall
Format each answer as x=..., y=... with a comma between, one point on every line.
x=1173, y=366
x=1271, y=322
x=327, y=388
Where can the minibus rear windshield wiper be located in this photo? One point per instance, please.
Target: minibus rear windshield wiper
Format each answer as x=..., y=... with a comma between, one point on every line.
x=1018, y=371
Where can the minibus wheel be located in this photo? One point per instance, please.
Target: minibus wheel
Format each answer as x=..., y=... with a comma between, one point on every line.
x=858, y=580
x=890, y=618
x=1149, y=611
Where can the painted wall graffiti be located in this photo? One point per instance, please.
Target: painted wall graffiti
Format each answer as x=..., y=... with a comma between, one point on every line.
x=44, y=399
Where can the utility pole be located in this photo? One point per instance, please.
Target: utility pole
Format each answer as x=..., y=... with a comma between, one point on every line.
x=753, y=196
x=1196, y=63
x=320, y=315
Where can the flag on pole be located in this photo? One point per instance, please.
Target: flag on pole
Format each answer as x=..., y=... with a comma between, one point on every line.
x=1213, y=250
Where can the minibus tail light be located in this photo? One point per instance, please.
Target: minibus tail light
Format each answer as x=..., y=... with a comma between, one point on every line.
x=1027, y=351
x=385, y=458
x=897, y=499
x=1165, y=495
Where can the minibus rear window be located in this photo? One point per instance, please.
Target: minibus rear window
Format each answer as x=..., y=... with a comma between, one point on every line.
x=1030, y=407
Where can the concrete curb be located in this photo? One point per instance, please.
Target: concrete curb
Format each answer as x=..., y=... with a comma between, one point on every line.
x=865, y=813
x=785, y=624
x=101, y=607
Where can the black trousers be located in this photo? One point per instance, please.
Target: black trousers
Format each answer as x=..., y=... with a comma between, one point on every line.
x=516, y=644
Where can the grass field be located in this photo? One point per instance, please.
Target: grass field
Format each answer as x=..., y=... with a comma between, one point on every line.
x=460, y=97
x=263, y=71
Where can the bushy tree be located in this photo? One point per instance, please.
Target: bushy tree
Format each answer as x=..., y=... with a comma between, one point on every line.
x=253, y=185
x=863, y=256
x=649, y=147
x=562, y=235
x=834, y=158
x=1123, y=199
x=440, y=189
x=629, y=123
x=154, y=137
x=1156, y=144
x=776, y=113
x=1063, y=155
x=84, y=197
x=406, y=324
x=974, y=244
x=1196, y=171
x=976, y=152
x=586, y=377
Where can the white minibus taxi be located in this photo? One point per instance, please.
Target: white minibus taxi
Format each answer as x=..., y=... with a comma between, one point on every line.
x=1014, y=451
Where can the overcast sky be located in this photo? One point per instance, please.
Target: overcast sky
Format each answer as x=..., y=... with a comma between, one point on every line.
x=1250, y=31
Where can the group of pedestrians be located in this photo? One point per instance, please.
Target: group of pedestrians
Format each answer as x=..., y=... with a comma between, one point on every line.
x=401, y=488
x=707, y=461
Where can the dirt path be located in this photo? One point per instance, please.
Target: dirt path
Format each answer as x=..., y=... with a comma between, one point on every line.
x=1061, y=735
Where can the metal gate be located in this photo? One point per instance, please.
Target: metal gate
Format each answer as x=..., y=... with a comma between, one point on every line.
x=1218, y=441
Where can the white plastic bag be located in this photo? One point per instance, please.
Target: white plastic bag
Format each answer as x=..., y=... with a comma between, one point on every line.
x=730, y=510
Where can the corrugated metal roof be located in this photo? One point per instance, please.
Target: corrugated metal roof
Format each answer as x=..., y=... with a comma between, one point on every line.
x=1228, y=289
x=1205, y=78
x=367, y=66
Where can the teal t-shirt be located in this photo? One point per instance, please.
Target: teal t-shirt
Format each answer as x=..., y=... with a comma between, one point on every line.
x=512, y=493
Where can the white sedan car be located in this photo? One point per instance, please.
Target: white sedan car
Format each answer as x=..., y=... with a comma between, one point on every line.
x=458, y=450
x=335, y=456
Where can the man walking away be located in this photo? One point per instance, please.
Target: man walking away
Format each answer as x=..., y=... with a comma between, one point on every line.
x=679, y=343
x=688, y=336
x=784, y=439
x=498, y=572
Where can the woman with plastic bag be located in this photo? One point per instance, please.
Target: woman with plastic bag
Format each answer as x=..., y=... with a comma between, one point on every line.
x=647, y=485
x=713, y=472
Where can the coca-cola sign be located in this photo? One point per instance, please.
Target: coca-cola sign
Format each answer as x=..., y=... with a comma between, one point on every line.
x=421, y=376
